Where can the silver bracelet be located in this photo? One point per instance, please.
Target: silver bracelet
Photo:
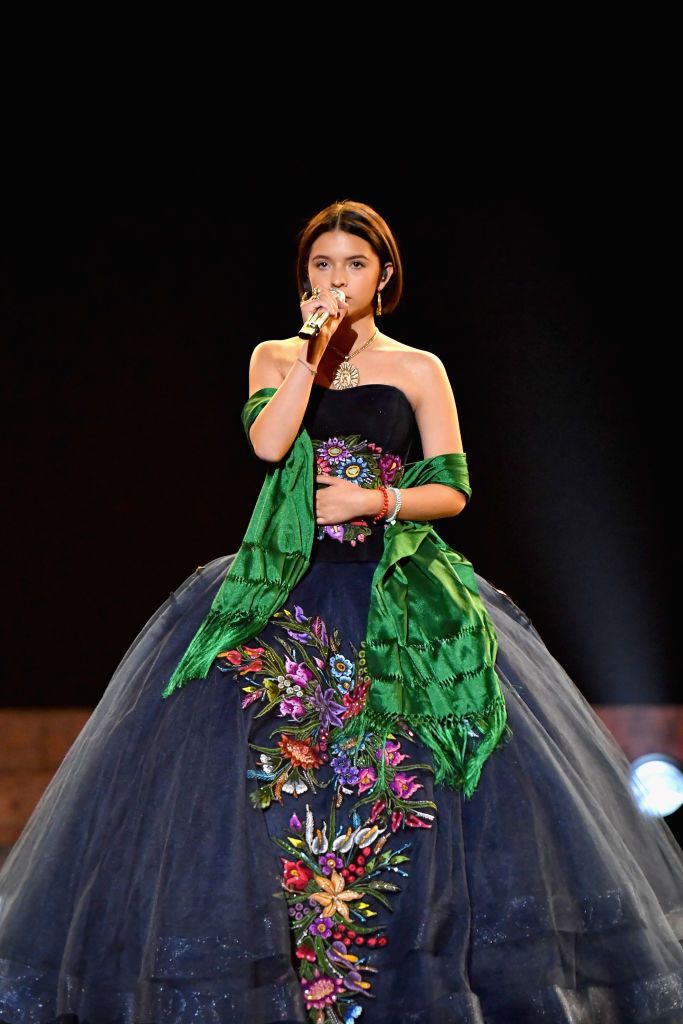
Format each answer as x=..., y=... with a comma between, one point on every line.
x=306, y=365
x=397, y=509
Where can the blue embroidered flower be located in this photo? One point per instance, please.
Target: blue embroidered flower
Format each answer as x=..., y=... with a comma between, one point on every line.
x=355, y=469
x=341, y=668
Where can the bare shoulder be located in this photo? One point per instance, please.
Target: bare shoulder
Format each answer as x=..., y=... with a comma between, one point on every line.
x=425, y=374
x=269, y=363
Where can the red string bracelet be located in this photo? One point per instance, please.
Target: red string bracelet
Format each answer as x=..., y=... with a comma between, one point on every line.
x=385, y=505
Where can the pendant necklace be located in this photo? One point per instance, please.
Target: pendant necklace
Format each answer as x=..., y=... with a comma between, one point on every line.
x=347, y=374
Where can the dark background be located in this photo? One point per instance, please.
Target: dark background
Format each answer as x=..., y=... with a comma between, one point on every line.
x=131, y=316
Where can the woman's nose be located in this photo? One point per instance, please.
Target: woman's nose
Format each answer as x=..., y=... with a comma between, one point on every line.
x=338, y=279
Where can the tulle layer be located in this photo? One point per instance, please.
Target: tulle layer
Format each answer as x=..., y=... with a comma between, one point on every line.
x=147, y=888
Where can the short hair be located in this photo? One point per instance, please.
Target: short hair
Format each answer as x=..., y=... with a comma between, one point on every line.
x=357, y=219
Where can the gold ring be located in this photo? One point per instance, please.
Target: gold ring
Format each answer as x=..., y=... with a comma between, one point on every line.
x=315, y=293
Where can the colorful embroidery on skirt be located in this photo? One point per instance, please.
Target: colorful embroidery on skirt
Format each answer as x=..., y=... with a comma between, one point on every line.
x=362, y=463
x=335, y=875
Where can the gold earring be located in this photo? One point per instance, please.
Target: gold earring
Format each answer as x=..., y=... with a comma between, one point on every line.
x=379, y=303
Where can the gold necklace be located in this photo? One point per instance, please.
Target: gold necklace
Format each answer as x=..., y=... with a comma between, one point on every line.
x=347, y=374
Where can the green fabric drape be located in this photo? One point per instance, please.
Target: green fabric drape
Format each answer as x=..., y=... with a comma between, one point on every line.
x=430, y=644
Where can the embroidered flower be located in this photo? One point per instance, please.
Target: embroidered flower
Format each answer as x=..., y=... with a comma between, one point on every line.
x=377, y=808
x=366, y=778
x=326, y=707
x=355, y=469
x=391, y=753
x=296, y=875
x=234, y=657
x=404, y=785
x=413, y=820
x=299, y=752
x=355, y=701
x=334, y=895
x=319, y=631
x=294, y=822
x=315, y=837
x=329, y=861
x=344, y=770
x=335, y=532
x=321, y=990
x=322, y=926
x=341, y=668
x=295, y=787
x=298, y=671
x=333, y=451
x=292, y=706
x=389, y=465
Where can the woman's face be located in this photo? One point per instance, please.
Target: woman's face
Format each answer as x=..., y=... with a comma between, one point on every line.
x=341, y=260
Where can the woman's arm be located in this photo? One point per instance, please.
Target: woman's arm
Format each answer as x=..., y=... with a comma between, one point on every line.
x=430, y=501
x=278, y=423
x=437, y=418
x=273, y=431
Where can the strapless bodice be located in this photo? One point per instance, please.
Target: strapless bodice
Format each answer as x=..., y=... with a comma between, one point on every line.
x=365, y=435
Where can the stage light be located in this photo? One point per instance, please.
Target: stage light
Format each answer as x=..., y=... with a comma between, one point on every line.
x=656, y=782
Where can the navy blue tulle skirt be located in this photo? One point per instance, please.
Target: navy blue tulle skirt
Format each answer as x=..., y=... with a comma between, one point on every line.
x=219, y=856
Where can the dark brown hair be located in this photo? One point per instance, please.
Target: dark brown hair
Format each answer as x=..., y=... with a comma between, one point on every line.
x=358, y=219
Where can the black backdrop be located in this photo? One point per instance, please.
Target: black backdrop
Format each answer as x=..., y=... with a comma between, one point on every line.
x=130, y=325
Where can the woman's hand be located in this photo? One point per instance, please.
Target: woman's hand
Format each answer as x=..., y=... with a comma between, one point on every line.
x=340, y=501
x=327, y=299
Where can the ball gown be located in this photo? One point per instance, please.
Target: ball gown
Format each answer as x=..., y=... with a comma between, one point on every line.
x=219, y=856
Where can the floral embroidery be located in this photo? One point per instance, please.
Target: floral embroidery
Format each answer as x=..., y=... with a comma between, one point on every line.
x=362, y=463
x=334, y=871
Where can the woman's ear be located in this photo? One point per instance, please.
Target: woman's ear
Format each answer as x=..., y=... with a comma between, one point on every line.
x=387, y=271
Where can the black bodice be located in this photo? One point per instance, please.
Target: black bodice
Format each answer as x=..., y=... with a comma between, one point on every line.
x=366, y=435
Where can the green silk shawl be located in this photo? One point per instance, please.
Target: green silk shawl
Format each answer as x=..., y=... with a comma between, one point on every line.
x=430, y=643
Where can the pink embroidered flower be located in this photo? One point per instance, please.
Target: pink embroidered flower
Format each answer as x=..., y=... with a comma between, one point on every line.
x=298, y=671
x=366, y=779
x=404, y=785
x=391, y=753
x=321, y=990
x=294, y=707
x=295, y=824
